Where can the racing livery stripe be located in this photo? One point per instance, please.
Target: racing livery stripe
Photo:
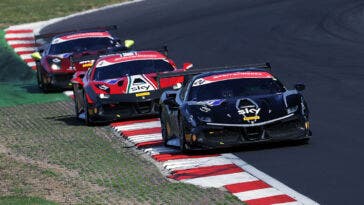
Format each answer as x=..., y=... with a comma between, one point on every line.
x=206, y=170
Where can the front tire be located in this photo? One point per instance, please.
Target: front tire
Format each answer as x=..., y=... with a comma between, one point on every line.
x=88, y=121
x=182, y=140
x=164, y=131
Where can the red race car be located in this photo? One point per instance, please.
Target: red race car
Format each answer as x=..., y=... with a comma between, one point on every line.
x=123, y=86
x=69, y=52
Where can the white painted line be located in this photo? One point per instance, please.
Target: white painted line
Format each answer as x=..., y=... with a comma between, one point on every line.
x=31, y=64
x=24, y=49
x=180, y=164
x=144, y=139
x=221, y=180
x=289, y=203
x=160, y=150
x=138, y=126
x=19, y=35
x=20, y=42
x=135, y=137
x=270, y=180
x=26, y=56
x=257, y=194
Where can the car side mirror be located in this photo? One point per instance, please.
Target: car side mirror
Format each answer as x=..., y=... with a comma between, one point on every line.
x=300, y=87
x=187, y=66
x=128, y=43
x=36, y=56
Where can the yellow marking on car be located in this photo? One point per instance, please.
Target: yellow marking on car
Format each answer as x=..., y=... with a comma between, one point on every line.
x=251, y=118
x=87, y=65
x=142, y=94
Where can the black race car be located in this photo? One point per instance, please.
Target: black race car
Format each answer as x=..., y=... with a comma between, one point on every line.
x=71, y=51
x=232, y=107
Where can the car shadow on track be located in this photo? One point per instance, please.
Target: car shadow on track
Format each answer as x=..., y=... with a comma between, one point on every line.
x=248, y=147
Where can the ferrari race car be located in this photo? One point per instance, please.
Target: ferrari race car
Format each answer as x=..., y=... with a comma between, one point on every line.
x=232, y=107
x=123, y=86
x=69, y=52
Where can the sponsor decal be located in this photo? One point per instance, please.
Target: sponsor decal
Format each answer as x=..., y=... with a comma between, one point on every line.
x=250, y=110
x=142, y=94
x=81, y=35
x=86, y=64
x=139, y=83
x=231, y=76
x=205, y=109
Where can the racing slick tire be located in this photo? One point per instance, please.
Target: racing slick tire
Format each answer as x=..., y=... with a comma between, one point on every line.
x=88, y=121
x=77, y=110
x=164, y=131
x=182, y=140
x=40, y=80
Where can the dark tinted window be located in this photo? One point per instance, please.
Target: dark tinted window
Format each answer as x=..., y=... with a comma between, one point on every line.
x=79, y=45
x=131, y=68
x=235, y=88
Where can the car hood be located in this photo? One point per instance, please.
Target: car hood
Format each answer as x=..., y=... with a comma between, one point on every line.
x=242, y=110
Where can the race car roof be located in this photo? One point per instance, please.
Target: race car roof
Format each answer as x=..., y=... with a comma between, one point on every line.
x=129, y=56
x=230, y=76
x=74, y=36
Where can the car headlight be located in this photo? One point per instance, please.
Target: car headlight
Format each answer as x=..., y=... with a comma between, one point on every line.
x=55, y=66
x=292, y=109
x=104, y=96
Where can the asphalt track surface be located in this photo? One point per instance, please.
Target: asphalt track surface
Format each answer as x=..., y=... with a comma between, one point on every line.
x=320, y=43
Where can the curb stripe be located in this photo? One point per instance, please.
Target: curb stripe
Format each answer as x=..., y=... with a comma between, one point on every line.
x=23, y=45
x=271, y=200
x=150, y=143
x=221, y=180
x=171, y=156
x=19, y=31
x=19, y=39
x=260, y=194
x=246, y=186
x=204, y=172
x=146, y=131
x=116, y=124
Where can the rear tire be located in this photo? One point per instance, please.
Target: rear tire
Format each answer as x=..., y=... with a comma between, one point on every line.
x=87, y=116
x=182, y=140
x=164, y=131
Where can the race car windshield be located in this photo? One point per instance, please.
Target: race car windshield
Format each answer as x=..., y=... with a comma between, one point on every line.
x=235, y=88
x=80, y=45
x=131, y=68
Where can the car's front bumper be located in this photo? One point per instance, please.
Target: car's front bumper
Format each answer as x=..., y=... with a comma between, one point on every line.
x=125, y=106
x=59, y=81
x=216, y=136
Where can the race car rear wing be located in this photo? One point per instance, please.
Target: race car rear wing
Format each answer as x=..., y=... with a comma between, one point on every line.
x=195, y=71
x=100, y=28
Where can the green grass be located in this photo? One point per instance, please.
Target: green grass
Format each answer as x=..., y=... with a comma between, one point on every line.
x=49, y=132
x=25, y=11
x=23, y=200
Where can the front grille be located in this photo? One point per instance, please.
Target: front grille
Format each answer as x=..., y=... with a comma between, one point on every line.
x=253, y=133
